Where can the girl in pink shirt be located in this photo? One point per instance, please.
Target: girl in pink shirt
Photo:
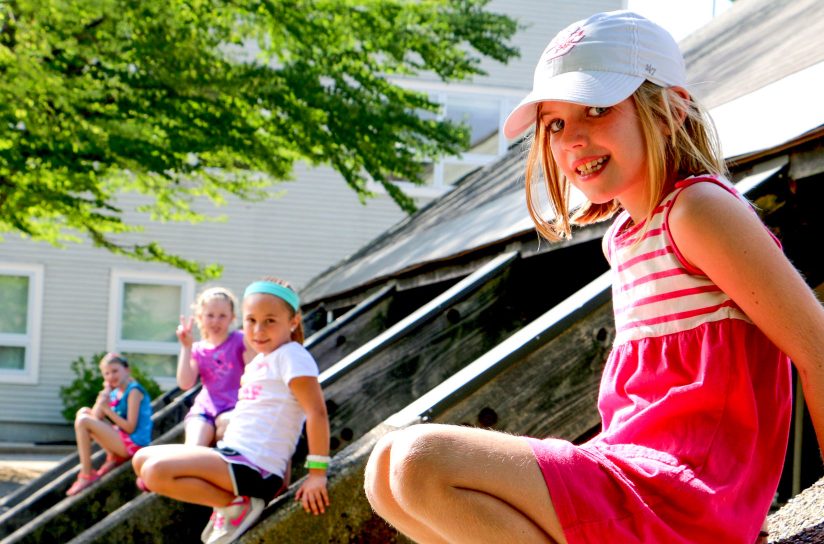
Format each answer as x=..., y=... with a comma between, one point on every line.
x=696, y=393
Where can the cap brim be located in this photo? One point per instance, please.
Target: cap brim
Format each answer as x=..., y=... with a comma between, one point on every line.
x=586, y=88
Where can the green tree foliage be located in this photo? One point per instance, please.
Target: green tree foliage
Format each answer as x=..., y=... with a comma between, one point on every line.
x=181, y=99
x=87, y=383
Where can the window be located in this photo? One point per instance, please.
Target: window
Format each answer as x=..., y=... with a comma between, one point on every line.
x=145, y=310
x=484, y=114
x=21, y=300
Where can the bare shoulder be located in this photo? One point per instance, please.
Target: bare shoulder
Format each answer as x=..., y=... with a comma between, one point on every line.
x=708, y=222
x=706, y=202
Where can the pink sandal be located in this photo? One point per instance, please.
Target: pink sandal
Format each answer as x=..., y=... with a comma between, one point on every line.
x=83, y=481
x=112, y=462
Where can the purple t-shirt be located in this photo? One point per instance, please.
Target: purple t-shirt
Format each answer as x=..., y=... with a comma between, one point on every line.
x=220, y=370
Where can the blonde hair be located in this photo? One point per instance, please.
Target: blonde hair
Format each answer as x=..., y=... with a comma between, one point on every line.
x=212, y=293
x=297, y=335
x=675, y=149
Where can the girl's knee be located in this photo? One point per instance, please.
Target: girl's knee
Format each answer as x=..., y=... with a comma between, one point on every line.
x=377, y=467
x=403, y=459
x=153, y=471
x=138, y=459
x=82, y=418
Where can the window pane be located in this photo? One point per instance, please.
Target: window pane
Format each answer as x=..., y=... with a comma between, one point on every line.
x=482, y=118
x=14, y=301
x=154, y=365
x=150, y=312
x=12, y=358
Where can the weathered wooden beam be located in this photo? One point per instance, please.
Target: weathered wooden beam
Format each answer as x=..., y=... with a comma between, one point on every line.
x=149, y=518
x=353, y=329
x=47, y=502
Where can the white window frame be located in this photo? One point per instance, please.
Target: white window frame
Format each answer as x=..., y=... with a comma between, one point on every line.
x=119, y=278
x=31, y=340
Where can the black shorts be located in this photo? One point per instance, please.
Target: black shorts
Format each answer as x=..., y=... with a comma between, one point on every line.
x=247, y=480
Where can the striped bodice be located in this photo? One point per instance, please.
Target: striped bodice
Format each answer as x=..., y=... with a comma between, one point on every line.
x=654, y=291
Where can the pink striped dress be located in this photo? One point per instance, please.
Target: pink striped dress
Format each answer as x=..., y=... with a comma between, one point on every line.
x=695, y=405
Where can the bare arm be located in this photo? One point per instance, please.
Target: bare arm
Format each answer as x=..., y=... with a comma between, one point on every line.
x=719, y=234
x=129, y=424
x=313, y=493
x=102, y=402
x=187, y=372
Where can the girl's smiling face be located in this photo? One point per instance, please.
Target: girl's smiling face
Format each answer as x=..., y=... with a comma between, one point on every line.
x=267, y=322
x=114, y=374
x=601, y=151
x=214, y=319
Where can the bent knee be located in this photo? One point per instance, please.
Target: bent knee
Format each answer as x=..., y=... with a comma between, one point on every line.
x=404, y=460
x=138, y=459
x=376, y=482
x=83, y=417
x=155, y=473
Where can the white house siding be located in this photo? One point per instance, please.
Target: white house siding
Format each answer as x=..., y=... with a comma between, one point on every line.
x=315, y=224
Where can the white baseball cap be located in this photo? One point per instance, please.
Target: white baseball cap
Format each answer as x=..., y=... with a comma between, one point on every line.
x=600, y=61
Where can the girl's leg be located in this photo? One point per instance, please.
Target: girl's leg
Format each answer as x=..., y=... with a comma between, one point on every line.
x=88, y=428
x=221, y=422
x=193, y=474
x=443, y=483
x=199, y=432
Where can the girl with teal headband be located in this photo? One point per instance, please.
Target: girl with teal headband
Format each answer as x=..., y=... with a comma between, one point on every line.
x=250, y=465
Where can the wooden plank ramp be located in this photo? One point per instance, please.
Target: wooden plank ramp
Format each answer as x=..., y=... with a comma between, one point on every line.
x=354, y=328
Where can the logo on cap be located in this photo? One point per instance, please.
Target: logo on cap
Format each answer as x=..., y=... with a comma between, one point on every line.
x=563, y=43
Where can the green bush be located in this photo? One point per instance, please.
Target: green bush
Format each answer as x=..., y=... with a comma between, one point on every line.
x=88, y=382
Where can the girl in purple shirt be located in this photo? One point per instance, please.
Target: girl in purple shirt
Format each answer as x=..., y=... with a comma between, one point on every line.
x=218, y=359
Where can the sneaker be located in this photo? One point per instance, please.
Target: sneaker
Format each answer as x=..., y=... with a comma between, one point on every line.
x=83, y=481
x=231, y=521
x=207, y=531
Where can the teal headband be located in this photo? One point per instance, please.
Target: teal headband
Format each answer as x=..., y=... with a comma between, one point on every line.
x=276, y=289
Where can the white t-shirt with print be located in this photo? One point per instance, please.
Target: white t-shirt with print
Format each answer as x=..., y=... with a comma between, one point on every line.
x=267, y=420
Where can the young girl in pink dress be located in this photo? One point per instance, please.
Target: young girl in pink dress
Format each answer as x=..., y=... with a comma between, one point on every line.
x=218, y=358
x=695, y=397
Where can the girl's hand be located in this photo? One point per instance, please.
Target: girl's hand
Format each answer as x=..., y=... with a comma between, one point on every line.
x=103, y=396
x=102, y=402
x=313, y=495
x=184, y=331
